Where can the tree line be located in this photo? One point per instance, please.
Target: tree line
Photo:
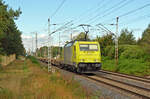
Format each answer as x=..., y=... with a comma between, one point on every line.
x=129, y=47
x=10, y=35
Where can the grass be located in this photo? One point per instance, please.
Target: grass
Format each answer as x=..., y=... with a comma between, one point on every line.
x=26, y=80
x=33, y=59
x=69, y=85
x=6, y=93
x=25, y=68
x=137, y=67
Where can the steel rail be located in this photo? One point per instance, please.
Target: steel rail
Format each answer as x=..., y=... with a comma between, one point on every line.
x=129, y=88
x=120, y=88
x=127, y=76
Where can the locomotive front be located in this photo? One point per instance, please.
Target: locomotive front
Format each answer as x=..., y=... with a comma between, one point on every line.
x=88, y=56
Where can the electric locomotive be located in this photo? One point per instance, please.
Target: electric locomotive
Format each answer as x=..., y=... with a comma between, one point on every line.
x=82, y=56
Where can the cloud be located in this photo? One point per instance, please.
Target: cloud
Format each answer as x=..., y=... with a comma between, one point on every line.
x=29, y=40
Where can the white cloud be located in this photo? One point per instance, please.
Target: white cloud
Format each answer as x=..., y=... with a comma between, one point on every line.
x=26, y=36
x=29, y=39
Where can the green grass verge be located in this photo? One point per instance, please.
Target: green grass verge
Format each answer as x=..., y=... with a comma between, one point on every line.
x=137, y=67
x=71, y=85
x=6, y=93
x=25, y=68
x=33, y=59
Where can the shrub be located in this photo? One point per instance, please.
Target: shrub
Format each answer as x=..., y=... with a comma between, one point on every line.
x=132, y=52
x=109, y=51
x=137, y=67
x=125, y=51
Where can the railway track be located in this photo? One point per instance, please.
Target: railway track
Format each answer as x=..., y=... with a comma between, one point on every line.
x=132, y=80
x=134, y=86
x=134, y=90
x=127, y=76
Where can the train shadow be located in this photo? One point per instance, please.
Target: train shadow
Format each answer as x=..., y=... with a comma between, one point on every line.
x=95, y=73
x=89, y=74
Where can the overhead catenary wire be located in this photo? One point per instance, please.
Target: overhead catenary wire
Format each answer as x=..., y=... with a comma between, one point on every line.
x=61, y=28
x=132, y=11
x=92, y=10
x=59, y=7
x=97, y=9
x=135, y=10
x=143, y=17
x=112, y=11
x=105, y=11
x=81, y=16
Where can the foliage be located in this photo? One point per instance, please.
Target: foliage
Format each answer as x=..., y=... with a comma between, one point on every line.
x=34, y=82
x=10, y=36
x=56, y=51
x=69, y=83
x=145, y=40
x=131, y=52
x=125, y=51
x=105, y=41
x=138, y=67
x=4, y=92
x=43, y=51
x=81, y=37
x=126, y=37
x=33, y=59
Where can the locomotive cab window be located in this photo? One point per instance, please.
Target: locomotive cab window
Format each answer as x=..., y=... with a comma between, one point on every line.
x=88, y=47
x=93, y=47
x=84, y=47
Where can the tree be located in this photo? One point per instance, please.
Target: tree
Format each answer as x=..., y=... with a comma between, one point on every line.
x=81, y=36
x=126, y=37
x=55, y=51
x=104, y=41
x=145, y=40
x=10, y=36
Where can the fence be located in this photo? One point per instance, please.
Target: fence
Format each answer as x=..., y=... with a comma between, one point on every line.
x=5, y=60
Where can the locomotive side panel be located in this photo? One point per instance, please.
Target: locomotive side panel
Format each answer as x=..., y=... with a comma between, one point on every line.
x=68, y=54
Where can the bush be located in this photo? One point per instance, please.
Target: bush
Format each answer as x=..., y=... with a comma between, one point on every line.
x=125, y=51
x=109, y=51
x=137, y=67
x=133, y=52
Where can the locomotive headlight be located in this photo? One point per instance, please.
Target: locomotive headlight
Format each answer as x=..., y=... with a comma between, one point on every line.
x=97, y=65
x=96, y=60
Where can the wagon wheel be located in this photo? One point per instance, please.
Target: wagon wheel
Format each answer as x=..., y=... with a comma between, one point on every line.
x=79, y=71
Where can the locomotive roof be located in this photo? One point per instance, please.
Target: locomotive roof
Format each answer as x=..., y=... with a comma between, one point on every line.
x=72, y=42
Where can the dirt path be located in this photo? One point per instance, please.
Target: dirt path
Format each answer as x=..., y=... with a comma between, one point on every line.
x=25, y=80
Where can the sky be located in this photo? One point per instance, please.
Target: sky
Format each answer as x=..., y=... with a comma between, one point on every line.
x=35, y=14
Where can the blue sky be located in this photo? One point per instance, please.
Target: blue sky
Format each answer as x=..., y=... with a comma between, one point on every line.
x=36, y=12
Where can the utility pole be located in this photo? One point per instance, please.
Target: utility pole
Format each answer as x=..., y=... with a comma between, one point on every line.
x=32, y=46
x=36, y=50
x=71, y=36
x=45, y=55
x=49, y=49
x=41, y=52
x=116, y=38
x=59, y=44
x=116, y=41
